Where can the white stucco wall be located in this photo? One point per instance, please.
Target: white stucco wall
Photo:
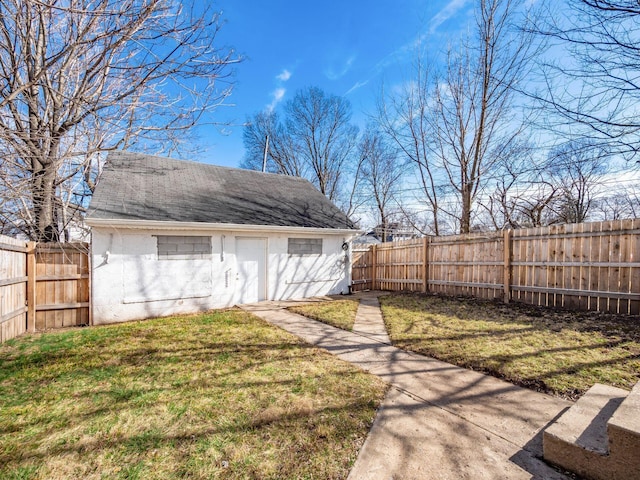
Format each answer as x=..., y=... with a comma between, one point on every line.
x=129, y=282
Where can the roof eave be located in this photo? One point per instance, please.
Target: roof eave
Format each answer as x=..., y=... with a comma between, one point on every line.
x=173, y=225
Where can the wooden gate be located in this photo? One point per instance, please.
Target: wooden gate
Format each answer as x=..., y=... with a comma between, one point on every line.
x=13, y=288
x=62, y=284
x=362, y=268
x=42, y=286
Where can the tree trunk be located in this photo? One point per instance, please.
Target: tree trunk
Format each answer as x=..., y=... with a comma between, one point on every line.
x=44, y=204
x=465, y=217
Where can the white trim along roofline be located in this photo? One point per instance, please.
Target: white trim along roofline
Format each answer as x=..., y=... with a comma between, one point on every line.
x=173, y=225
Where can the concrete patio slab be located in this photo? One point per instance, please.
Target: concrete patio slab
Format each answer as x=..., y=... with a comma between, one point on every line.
x=438, y=421
x=411, y=440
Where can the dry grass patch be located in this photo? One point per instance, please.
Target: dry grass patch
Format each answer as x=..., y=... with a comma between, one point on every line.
x=563, y=353
x=219, y=395
x=338, y=313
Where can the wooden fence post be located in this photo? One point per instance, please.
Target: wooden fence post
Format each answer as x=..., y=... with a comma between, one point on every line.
x=425, y=263
x=373, y=267
x=90, y=280
x=507, y=265
x=31, y=286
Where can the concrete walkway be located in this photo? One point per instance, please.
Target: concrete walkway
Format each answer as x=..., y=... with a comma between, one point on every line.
x=438, y=421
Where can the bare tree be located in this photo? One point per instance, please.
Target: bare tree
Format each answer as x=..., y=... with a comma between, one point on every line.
x=534, y=207
x=576, y=169
x=381, y=173
x=316, y=140
x=459, y=126
x=593, y=81
x=264, y=133
x=510, y=186
x=81, y=77
x=475, y=130
x=564, y=190
x=405, y=116
x=320, y=127
x=619, y=206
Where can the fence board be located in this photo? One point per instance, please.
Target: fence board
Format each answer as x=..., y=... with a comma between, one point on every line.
x=590, y=266
x=471, y=265
x=62, y=285
x=399, y=266
x=625, y=272
x=13, y=288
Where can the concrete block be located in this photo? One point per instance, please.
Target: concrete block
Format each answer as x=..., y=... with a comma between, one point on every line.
x=627, y=417
x=624, y=437
x=578, y=440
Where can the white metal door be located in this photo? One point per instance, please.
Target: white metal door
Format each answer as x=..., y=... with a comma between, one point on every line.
x=251, y=281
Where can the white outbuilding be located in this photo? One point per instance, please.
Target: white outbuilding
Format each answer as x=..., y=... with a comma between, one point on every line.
x=172, y=236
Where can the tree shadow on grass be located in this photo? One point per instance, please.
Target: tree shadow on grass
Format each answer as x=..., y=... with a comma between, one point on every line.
x=313, y=428
x=533, y=332
x=148, y=381
x=538, y=317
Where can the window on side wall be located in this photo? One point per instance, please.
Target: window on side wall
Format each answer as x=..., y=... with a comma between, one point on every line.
x=305, y=246
x=182, y=247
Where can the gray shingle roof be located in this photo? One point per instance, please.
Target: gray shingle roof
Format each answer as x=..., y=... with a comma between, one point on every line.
x=144, y=187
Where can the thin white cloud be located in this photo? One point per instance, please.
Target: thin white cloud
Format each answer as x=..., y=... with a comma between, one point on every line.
x=278, y=94
x=333, y=74
x=276, y=97
x=284, y=75
x=445, y=13
x=357, y=85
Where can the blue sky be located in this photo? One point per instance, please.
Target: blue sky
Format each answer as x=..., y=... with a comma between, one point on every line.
x=347, y=47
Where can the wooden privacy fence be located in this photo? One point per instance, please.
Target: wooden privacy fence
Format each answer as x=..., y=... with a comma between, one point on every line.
x=13, y=288
x=587, y=266
x=42, y=286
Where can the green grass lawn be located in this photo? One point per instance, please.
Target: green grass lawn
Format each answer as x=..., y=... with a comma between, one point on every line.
x=339, y=313
x=218, y=395
x=562, y=353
